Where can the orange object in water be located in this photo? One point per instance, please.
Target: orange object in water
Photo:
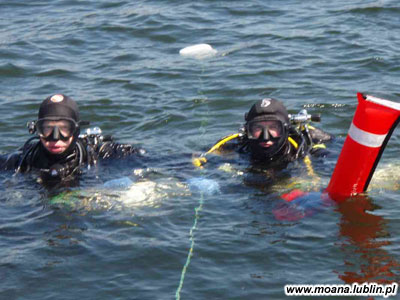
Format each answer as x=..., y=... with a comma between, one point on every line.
x=371, y=129
x=293, y=195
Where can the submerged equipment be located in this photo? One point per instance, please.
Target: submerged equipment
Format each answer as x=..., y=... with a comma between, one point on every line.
x=204, y=185
x=373, y=124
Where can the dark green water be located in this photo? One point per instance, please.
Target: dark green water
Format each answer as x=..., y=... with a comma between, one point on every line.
x=120, y=61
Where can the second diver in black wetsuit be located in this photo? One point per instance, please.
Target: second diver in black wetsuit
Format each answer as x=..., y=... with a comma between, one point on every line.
x=273, y=138
x=58, y=151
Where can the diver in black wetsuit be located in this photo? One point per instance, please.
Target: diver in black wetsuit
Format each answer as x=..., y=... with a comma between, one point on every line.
x=272, y=137
x=61, y=151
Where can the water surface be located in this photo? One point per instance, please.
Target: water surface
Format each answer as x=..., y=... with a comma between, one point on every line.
x=120, y=61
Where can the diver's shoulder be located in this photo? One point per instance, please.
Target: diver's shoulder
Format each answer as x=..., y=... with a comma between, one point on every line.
x=320, y=136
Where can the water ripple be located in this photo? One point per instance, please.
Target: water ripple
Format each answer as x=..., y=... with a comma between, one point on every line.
x=11, y=70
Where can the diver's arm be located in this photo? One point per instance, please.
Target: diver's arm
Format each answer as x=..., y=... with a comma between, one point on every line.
x=111, y=149
x=10, y=161
x=319, y=138
x=319, y=150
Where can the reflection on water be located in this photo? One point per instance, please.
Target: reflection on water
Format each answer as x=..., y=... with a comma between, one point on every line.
x=364, y=237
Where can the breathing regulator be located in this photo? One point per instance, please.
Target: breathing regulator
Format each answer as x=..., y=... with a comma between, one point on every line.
x=94, y=136
x=300, y=122
x=303, y=117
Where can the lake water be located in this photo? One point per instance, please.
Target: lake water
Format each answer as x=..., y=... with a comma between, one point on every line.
x=159, y=236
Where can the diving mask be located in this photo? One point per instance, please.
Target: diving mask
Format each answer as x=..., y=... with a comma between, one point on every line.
x=264, y=129
x=56, y=129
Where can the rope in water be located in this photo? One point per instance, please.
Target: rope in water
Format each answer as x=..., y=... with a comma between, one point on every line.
x=197, y=210
x=190, y=254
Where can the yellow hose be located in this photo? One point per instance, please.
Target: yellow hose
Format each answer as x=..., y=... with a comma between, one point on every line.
x=199, y=161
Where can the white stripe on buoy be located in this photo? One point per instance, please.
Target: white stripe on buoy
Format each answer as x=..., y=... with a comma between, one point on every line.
x=387, y=103
x=366, y=138
x=198, y=51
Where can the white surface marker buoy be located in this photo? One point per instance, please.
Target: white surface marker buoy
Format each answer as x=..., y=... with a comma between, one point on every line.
x=199, y=51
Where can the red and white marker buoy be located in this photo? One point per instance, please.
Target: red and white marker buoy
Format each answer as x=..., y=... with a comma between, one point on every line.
x=371, y=129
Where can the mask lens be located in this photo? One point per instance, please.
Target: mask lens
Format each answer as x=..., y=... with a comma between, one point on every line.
x=257, y=129
x=46, y=128
x=66, y=129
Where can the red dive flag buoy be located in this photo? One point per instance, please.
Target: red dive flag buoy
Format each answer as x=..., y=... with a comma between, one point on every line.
x=371, y=129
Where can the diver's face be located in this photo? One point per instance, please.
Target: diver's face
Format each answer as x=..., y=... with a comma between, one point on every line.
x=266, y=144
x=265, y=132
x=56, y=146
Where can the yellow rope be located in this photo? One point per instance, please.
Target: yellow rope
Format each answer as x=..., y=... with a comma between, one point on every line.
x=190, y=253
x=310, y=171
x=308, y=163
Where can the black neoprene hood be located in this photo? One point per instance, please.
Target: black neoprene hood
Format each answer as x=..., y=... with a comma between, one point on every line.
x=59, y=106
x=268, y=107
